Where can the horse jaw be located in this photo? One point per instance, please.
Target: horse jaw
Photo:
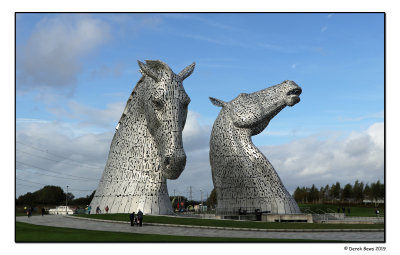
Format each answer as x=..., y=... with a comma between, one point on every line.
x=173, y=164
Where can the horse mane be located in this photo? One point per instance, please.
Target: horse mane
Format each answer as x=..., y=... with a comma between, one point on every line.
x=124, y=112
x=154, y=64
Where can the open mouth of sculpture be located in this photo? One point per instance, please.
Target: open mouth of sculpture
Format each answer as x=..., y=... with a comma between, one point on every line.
x=296, y=92
x=293, y=96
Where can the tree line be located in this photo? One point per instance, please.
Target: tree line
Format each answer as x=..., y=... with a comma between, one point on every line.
x=355, y=193
x=52, y=195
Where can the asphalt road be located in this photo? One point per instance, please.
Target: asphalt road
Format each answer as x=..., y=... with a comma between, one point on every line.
x=70, y=222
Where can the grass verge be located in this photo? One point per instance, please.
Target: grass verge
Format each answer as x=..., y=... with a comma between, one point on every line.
x=231, y=223
x=25, y=232
x=355, y=211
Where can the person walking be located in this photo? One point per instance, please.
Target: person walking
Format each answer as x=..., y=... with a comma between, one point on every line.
x=89, y=209
x=106, y=209
x=140, y=217
x=43, y=211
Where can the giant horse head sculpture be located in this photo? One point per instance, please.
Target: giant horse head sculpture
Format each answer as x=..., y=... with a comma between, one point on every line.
x=165, y=106
x=242, y=175
x=147, y=145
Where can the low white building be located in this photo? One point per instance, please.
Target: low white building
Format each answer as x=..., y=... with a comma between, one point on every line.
x=373, y=201
x=61, y=210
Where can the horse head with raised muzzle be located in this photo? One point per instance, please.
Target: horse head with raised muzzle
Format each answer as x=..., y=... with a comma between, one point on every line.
x=255, y=110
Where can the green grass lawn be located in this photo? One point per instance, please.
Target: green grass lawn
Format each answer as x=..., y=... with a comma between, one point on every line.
x=231, y=223
x=355, y=211
x=25, y=232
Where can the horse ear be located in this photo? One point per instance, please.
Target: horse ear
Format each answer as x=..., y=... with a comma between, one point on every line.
x=187, y=71
x=144, y=69
x=217, y=102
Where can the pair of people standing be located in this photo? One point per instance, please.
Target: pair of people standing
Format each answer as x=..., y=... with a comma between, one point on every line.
x=136, y=220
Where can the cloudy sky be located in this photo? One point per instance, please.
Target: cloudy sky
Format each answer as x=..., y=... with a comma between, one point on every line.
x=75, y=72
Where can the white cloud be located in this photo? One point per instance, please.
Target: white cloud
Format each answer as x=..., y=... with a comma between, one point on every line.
x=207, y=21
x=195, y=136
x=313, y=160
x=54, y=147
x=104, y=70
x=367, y=116
x=90, y=117
x=76, y=144
x=205, y=38
x=51, y=56
x=22, y=121
x=323, y=29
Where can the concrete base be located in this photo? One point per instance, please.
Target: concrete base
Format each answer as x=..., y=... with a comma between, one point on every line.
x=287, y=218
x=239, y=217
x=307, y=218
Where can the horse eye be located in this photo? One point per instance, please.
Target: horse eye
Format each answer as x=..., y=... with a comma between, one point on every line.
x=157, y=103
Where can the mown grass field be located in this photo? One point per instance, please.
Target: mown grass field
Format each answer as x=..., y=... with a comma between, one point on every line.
x=34, y=233
x=355, y=211
x=231, y=223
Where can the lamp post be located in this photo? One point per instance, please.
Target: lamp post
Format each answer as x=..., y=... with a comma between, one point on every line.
x=201, y=199
x=66, y=202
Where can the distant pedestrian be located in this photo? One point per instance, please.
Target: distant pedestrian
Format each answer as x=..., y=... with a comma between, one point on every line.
x=343, y=209
x=106, y=209
x=29, y=212
x=43, y=211
x=89, y=208
x=132, y=218
x=98, y=209
x=140, y=217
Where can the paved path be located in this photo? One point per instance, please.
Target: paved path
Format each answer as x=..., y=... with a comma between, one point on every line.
x=70, y=222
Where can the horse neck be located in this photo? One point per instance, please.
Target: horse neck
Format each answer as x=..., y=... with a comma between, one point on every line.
x=226, y=132
x=135, y=135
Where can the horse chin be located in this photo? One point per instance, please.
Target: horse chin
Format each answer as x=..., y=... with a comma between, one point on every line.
x=172, y=173
x=173, y=168
x=292, y=100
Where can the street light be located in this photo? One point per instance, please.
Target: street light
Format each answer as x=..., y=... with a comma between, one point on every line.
x=66, y=202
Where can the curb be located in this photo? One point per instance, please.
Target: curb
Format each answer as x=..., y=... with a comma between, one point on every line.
x=230, y=228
